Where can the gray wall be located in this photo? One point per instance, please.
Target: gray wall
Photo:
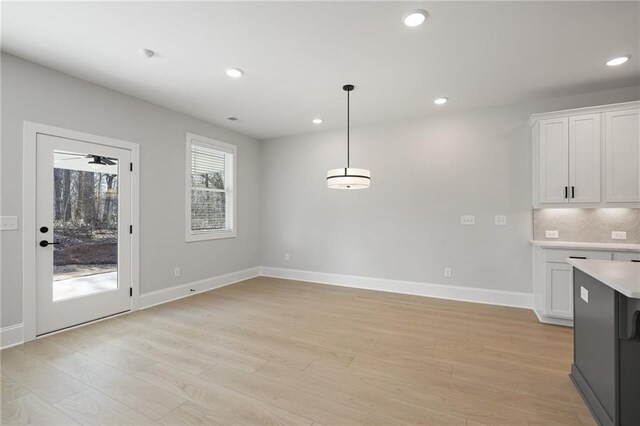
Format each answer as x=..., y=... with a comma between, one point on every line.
x=425, y=174
x=34, y=93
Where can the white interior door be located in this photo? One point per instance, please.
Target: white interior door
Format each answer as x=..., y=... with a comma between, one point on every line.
x=83, y=215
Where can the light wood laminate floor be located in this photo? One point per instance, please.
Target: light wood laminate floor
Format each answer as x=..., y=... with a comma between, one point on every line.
x=269, y=351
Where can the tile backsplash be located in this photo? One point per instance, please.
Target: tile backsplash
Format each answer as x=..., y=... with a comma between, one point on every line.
x=587, y=225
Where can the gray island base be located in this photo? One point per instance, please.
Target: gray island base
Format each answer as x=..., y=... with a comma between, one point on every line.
x=606, y=366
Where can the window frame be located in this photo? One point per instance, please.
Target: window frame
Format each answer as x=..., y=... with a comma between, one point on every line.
x=231, y=189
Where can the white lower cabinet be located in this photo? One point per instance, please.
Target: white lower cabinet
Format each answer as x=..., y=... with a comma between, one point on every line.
x=627, y=257
x=553, y=280
x=558, y=291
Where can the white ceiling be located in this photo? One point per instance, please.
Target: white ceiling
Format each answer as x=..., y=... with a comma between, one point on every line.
x=297, y=55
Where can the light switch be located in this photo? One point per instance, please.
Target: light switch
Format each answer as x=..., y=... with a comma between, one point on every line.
x=584, y=294
x=501, y=220
x=551, y=234
x=9, y=223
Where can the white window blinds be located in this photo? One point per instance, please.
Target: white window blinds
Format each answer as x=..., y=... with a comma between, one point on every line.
x=210, y=184
x=207, y=168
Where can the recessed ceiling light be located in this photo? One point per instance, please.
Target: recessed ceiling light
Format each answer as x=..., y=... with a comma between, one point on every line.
x=317, y=121
x=441, y=101
x=414, y=18
x=234, y=72
x=147, y=53
x=618, y=61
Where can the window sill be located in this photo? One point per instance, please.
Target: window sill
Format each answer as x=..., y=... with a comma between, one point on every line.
x=205, y=236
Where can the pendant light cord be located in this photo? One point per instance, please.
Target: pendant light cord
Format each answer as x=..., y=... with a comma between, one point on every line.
x=348, y=127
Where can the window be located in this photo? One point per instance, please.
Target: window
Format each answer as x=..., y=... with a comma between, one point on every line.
x=211, y=197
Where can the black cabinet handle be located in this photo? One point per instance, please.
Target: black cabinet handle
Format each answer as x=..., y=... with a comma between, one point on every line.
x=635, y=260
x=566, y=192
x=573, y=192
x=44, y=243
x=577, y=257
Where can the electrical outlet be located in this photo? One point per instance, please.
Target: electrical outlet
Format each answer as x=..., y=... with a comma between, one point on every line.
x=467, y=220
x=287, y=257
x=501, y=220
x=8, y=223
x=176, y=272
x=447, y=272
x=584, y=294
x=551, y=234
x=618, y=235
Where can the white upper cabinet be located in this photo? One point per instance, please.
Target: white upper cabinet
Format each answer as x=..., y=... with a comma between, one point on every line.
x=569, y=159
x=622, y=154
x=554, y=160
x=584, y=159
x=589, y=157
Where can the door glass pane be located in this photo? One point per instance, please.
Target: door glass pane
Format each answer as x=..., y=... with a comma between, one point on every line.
x=85, y=208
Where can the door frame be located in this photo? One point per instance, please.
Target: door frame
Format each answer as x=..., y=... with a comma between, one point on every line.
x=29, y=204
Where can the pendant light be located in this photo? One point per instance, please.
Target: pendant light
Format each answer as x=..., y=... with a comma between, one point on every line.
x=348, y=177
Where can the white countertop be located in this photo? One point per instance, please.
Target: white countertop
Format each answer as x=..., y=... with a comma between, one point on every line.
x=587, y=246
x=623, y=277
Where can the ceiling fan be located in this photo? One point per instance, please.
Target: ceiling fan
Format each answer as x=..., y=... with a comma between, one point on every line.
x=95, y=159
x=103, y=161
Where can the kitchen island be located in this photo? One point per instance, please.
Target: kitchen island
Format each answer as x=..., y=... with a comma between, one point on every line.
x=606, y=366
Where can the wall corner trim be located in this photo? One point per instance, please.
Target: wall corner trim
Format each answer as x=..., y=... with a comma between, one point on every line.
x=154, y=298
x=439, y=291
x=11, y=335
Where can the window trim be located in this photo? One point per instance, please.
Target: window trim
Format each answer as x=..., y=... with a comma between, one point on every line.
x=231, y=216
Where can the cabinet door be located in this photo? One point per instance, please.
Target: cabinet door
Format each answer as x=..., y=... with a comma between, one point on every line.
x=559, y=290
x=584, y=158
x=627, y=257
x=553, y=155
x=622, y=152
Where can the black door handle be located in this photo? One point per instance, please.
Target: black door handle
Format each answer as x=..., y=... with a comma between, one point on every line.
x=573, y=192
x=44, y=243
x=566, y=190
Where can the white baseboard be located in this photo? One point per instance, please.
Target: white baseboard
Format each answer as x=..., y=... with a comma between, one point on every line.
x=153, y=298
x=440, y=291
x=12, y=335
x=555, y=321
